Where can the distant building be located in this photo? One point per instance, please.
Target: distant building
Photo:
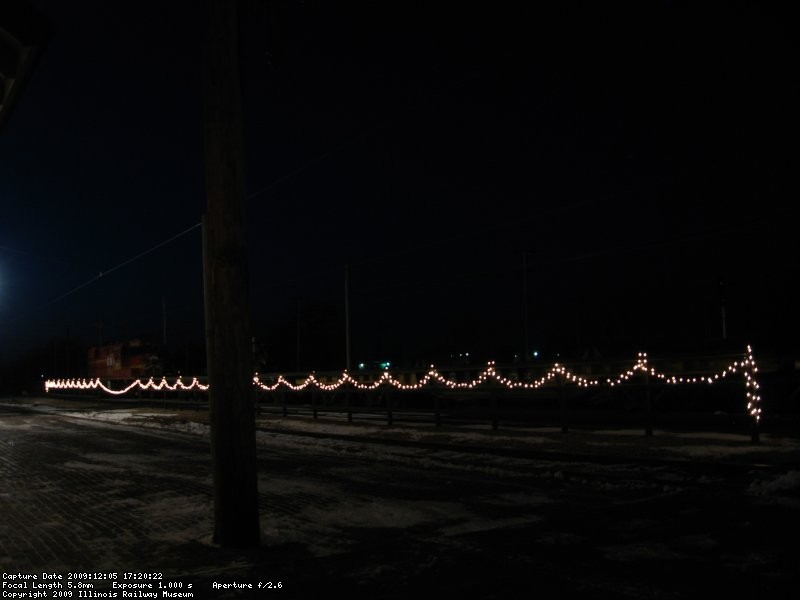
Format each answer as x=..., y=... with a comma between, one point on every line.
x=128, y=360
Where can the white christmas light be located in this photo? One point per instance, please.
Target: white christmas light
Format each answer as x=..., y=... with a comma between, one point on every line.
x=490, y=373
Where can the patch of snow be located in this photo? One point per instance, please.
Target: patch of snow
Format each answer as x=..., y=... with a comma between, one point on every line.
x=640, y=551
x=709, y=450
x=782, y=483
x=85, y=466
x=378, y=512
x=478, y=525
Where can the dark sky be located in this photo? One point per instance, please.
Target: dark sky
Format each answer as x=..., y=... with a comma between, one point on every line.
x=636, y=154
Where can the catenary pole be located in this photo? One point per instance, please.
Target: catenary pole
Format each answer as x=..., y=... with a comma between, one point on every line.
x=347, y=317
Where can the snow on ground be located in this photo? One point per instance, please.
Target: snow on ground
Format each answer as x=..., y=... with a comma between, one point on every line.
x=782, y=483
x=363, y=438
x=704, y=445
x=317, y=504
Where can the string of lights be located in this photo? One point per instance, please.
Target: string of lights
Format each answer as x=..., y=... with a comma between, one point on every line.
x=150, y=384
x=557, y=373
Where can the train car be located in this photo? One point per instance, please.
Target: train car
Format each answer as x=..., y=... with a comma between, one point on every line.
x=123, y=360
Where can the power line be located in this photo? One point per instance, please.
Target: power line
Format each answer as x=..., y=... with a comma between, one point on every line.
x=122, y=264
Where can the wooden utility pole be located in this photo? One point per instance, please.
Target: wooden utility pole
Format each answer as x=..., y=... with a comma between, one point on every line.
x=228, y=336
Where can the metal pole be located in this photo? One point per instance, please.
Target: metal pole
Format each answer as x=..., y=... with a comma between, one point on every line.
x=755, y=436
x=347, y=315
x=297, y=338
x=164, y=318
x=722, y=310
x=525, y=304
x=648, y=407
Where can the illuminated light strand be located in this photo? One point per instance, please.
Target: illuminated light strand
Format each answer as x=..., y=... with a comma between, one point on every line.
x=557, y=373
x=150, y=384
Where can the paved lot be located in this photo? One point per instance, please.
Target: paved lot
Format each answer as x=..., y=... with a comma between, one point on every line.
x=386, y=520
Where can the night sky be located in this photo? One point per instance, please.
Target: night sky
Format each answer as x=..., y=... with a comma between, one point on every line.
x=639, y=158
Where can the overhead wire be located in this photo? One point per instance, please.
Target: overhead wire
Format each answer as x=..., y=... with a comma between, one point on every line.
x=124, y=263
